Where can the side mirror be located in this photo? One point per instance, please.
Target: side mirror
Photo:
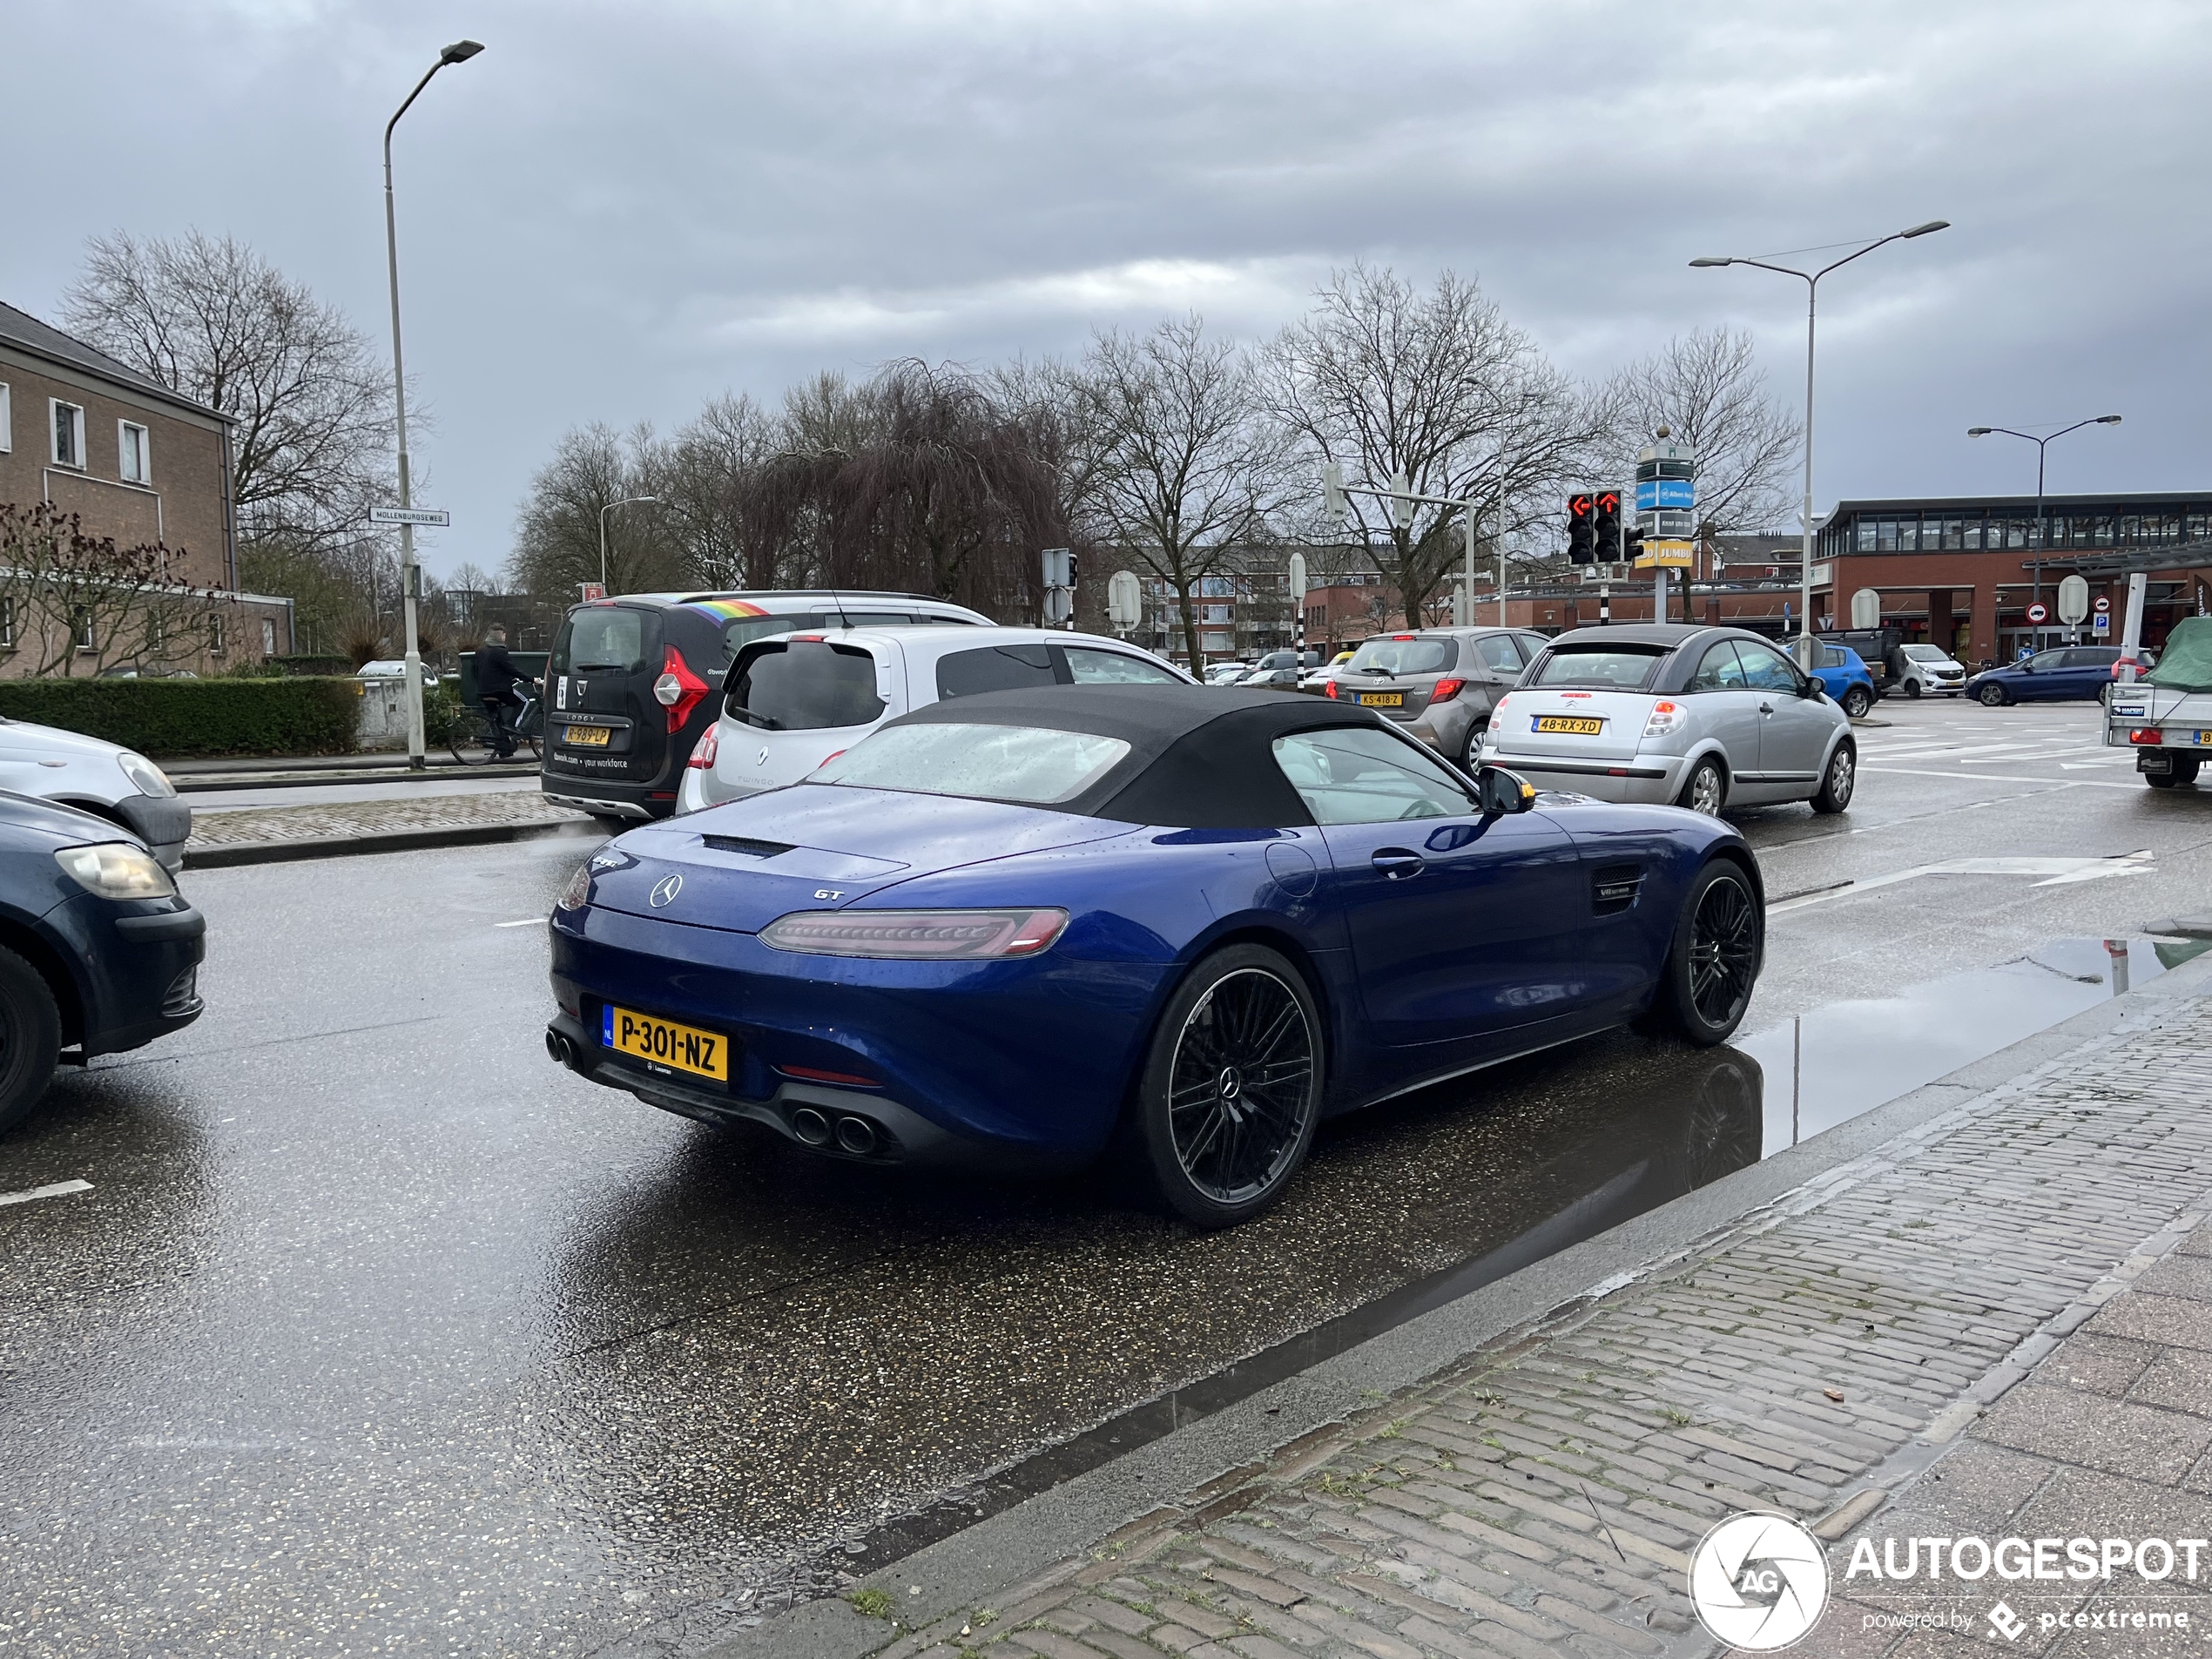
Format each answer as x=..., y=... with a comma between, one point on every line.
x=1501, y=792
x=1812, y=688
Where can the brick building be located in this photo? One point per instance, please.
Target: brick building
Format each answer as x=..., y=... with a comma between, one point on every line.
x=137, y=463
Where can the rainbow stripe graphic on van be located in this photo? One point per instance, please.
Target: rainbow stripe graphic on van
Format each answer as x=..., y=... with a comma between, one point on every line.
x=725, y=610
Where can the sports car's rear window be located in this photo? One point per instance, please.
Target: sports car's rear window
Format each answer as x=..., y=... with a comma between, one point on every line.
x=1620, y=668
x=1032, y=765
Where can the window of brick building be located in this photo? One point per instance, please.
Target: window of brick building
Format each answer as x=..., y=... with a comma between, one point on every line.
x=215, y=636
x=7, y=421
x=131, y=444
x=81, y=628
x=69, y=433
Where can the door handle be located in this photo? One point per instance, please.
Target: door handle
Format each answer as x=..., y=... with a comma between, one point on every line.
x=1396, y=863
x=1766, y=708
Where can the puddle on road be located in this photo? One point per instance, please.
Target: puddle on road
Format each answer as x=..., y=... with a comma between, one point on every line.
x=1830, y=1065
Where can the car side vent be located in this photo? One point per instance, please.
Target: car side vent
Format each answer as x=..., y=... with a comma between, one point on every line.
x=740, y=844
x=1613, y=888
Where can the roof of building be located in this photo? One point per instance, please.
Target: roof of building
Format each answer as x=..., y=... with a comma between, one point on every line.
x=2113, y=499
x=25, y=333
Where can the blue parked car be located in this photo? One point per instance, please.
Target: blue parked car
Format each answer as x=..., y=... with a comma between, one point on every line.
x=2066, y=673
x=1843, y=674
x=1002, y=928
x=98, y=952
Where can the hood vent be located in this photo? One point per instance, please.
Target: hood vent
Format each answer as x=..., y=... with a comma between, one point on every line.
x=750, y=849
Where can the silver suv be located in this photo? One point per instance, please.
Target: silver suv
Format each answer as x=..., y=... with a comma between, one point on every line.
x=1703, y=717
x=1439, y=683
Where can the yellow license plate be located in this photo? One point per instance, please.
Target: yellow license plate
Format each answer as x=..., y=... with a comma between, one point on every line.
x=587, y=737
x=1383, y=699
x=2203, y=739
x=1574, y=725
x=679, y=1048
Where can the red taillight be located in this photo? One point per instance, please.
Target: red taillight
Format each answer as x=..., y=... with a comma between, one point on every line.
x=678, y=690
x=1401, y=636
x=1332, y=688
x=703, y=756
x=2148, y=736
x=942, y=935
x=1446, y=690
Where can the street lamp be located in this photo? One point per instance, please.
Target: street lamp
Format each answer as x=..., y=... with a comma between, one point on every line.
x=1811, y=279
x=604, y=511
x=410, y=579
x=2042, y=537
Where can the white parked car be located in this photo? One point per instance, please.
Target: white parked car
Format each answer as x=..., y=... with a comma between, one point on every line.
x=794, y=700
x=94, y=776
x=1923, y=670
x=1700, y=717
x=1226, y=673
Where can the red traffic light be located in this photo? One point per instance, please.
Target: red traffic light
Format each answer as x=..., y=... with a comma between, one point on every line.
x=1578, y=506
x=1609, y=501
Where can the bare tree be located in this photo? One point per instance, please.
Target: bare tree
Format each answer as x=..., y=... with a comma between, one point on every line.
x=211, y=318
x=1180, y=463
x=1707, y=389
x=74, y=602
x=709, y=482
x=1383, y=380
x=557, y=541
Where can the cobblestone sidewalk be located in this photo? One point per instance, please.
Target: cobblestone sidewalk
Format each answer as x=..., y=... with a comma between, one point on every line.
x=1813, y=1360
x=259, y=825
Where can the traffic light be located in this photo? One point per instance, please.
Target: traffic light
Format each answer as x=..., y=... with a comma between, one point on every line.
x=1333, y=499
x=1606, y=524
x=1582, y=544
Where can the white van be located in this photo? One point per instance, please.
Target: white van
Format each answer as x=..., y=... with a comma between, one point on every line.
x=793, y=701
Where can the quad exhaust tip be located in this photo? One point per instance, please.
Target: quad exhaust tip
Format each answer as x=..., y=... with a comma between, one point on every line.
x=856, y=1136
x=810, y=1127
x=563, y=1051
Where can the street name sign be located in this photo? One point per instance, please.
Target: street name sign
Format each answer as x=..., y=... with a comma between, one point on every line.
x=437, y=515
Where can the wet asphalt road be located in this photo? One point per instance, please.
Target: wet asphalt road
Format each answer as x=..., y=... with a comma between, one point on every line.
x=377, y=1332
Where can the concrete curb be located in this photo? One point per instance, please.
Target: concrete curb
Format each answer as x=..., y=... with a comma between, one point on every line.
x=332, y=846
x=973, y=1566
x=222, y=782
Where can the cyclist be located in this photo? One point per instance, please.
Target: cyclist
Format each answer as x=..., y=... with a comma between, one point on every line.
x=496, y=679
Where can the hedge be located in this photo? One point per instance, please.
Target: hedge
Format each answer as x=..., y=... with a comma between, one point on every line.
x=178, y=717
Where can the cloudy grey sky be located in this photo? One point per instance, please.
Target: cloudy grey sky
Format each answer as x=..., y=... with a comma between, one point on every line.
x=620, y=209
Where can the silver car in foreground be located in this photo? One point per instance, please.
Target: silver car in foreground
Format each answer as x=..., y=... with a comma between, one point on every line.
x=1703, y=717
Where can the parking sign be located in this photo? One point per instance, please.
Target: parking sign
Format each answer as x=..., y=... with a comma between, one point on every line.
x=2102, y=623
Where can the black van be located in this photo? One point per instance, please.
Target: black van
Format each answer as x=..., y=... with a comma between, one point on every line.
x=633, y=683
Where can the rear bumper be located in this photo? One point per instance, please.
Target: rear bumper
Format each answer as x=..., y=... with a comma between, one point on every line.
x=1650, y=780
x=604, y=797
x=1016, y=1064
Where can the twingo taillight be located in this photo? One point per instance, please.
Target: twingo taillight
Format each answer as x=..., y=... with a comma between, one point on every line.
x=678, y=690
x=704, y=752
x=916, y=935
x=1667, y=719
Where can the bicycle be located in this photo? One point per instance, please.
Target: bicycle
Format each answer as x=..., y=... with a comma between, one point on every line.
x=476, y=743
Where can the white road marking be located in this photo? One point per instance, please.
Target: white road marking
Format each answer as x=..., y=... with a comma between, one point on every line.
x=527, y=921
x=2001, y=778
x=58, y=1189
x=2057, y=872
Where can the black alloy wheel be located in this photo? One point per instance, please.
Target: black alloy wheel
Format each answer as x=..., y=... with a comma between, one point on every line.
x=1912, y=691
x=31, y=1037
x=1232, y=1089
x=1719, y=943
x=1993, y=697
x=1839, y=781
x=1857, y=702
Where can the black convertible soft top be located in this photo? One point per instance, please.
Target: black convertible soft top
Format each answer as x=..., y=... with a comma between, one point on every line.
x=1198, y=759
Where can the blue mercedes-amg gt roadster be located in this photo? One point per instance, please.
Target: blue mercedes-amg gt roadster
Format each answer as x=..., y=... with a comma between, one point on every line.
x=1006, y=926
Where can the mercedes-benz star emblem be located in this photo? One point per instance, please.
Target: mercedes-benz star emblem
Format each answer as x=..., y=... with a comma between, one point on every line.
x=664, y=890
